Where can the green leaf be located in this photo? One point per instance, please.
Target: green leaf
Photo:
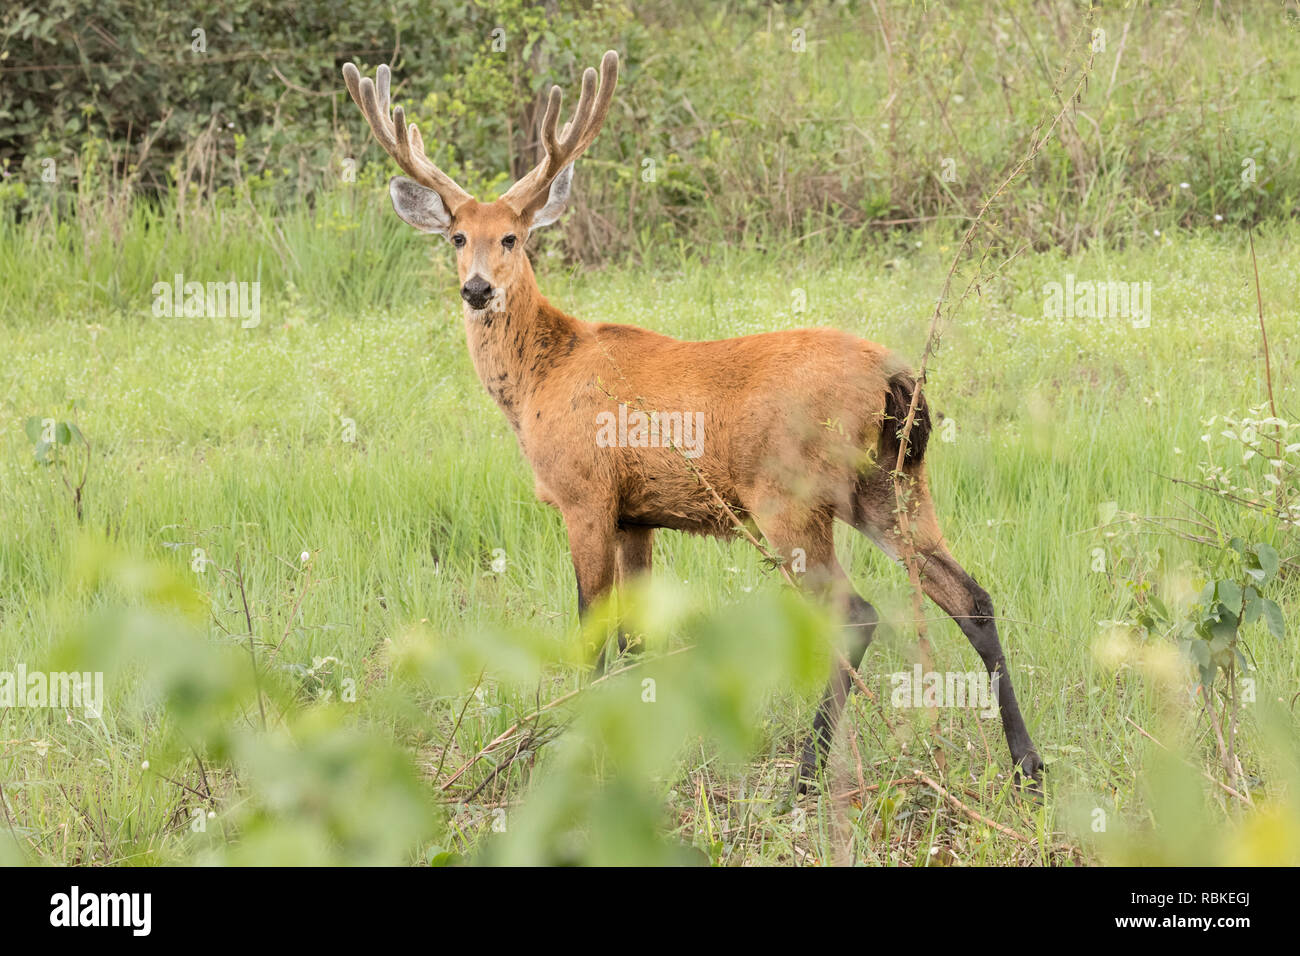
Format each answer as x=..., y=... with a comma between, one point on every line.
x=1208, y=673
x=439, y=857
x=1225, y=628
x=1230, y=594
x=1254, y=606
x=62, y=434
x=33, y=428
x=1268, y=559
x=1273, y=617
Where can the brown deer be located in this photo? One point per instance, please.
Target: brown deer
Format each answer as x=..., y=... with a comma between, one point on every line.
x=798, y=428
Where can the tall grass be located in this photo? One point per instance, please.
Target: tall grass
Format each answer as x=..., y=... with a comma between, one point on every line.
x=209, y=436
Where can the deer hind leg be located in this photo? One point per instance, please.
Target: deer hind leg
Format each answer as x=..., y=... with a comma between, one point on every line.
x=947, y=584
x=824, y=577
x=859, y=627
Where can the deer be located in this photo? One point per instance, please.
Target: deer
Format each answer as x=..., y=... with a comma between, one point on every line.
x=799, y=428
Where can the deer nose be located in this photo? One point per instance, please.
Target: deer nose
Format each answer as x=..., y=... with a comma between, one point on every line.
x=476, y=291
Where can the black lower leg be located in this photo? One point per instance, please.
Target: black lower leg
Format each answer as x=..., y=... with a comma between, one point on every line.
x=861, y=628
x=981, y=630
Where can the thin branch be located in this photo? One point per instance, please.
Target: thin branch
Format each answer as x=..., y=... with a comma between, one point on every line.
x=1218, y=783
x=452, y=736
x=252, y=644
x=505, y=735
x=922, y=779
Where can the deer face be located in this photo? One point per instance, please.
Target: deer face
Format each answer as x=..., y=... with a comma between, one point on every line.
x=488, y=237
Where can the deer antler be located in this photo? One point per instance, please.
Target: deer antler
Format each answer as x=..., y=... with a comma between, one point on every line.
x=401, y=141
x=529, y=194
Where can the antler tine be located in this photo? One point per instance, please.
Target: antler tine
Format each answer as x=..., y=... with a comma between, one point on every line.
x=383, y=80
x=530, y=193
x=581, y=117
x=400, y=141
x=401, y=138
x=549, y=120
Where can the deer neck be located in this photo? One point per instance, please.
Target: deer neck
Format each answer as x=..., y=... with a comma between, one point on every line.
x=513, y=347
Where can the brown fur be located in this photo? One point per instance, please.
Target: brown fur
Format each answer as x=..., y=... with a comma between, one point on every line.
x=794, y=422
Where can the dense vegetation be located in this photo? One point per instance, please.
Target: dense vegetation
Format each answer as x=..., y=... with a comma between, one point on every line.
x=761, y=124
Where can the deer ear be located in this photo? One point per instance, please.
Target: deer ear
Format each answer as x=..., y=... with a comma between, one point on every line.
x=557, y=201
x=418, y=205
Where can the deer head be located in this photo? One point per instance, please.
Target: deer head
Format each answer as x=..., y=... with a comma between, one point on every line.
x=488, y=237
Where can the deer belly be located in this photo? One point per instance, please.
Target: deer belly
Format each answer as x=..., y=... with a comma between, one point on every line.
x=679, y=501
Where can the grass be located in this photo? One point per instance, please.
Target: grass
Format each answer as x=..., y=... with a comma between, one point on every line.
x=206, y=435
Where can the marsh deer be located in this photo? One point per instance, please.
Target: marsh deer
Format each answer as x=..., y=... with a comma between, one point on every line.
x=792, y=429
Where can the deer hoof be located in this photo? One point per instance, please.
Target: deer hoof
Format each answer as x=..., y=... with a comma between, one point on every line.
x=1029, y=774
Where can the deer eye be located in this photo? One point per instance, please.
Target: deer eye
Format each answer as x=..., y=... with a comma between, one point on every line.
x=509, y=242
x=458, y=240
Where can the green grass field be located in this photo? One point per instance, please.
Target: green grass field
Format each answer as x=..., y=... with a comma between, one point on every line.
x=205, y=435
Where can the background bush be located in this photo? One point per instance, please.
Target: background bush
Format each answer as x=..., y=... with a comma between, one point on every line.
x=721, y=131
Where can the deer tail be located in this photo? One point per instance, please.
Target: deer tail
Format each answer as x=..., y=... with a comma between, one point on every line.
x=898, y=399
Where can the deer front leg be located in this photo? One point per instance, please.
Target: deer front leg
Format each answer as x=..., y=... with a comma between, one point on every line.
x=591, y=543
x=633, y=551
